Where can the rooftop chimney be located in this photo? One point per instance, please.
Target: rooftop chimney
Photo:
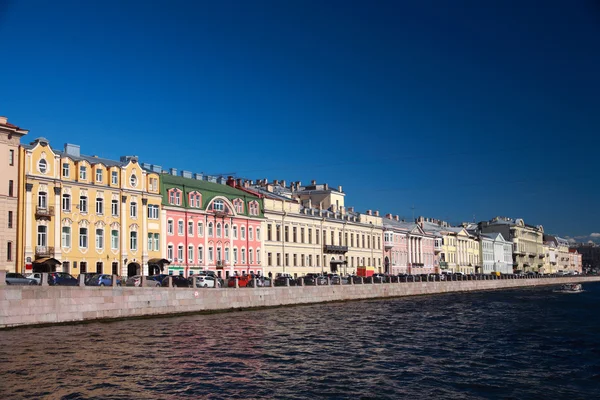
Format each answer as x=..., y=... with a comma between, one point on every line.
x=326, y=186
x=186, y=174
x=396, y=218
x=198, y=176
x=369, y=212
x=313, y=182
x=156, y=168
x=283, y=183
x=173, y=171
x=340, y=188
x=377, y=213
x=3, y=120
x=351, y=209
x=231, y=182
x=74, y=150
x=388, y=216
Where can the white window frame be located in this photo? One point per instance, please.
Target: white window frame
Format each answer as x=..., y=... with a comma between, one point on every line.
x=114, y=239
x=133, y=241
x=65, y=238
x=66, y=170
x=99, y=206
x=99, y=239
x=114, y=177
x=170, y=227
x=83, y=238
x=99, y=175
x=133, y=209
x=180, y=228
x=82, y=173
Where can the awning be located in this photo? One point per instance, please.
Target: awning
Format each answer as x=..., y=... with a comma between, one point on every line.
x=47, y=260
x=158, y=261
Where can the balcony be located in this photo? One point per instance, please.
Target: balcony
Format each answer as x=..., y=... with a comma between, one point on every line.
x=388, y=244
x=437, y=247
x=44, y=212
x=44, y=251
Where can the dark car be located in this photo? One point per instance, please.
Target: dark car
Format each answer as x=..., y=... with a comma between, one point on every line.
x=281, y=281
x=102, y=280
x=178, y=281
x=62, y=279
x=378, y=278
x=13, y=278
x=88, y=276
x=261, y=281
x=357, y=279
x=158, y=277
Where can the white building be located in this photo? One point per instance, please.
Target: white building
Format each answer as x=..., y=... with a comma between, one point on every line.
x=496, y=253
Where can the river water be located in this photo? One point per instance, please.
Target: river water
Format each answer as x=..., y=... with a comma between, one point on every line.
x=513, y=344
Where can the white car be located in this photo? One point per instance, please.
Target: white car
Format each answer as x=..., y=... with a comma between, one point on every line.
x=36, y=276
x=206, y=281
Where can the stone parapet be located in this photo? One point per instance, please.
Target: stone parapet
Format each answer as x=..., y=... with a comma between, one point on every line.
x=42, y=305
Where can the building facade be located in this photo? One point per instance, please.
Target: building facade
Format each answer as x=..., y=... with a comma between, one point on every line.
x=211, y=226
x=590, y=254
x=84, y=214
x=557, y=254
x=575, y=261
x=308, y=229
x=408, y=249
x=10, y=136
x=527, y=240
x=496, y=254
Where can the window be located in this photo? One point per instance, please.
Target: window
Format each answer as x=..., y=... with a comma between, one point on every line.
x=150, y=241
x=239, y=206
x=171, y=197
x=227, y=254
x=278, y=233
x=257, y=233
x=235, y=236
x=258, y=256
x=154, y=184
x=218, y=254
x=66, y=202
x=133, y=180
x=190, y=228
x=210, y=229
x=152, y=211
x=66, y=236
x=235, y=255
x=226, y=230
x=10, y=219
x=200, y=254
x=250, y=234
x=11, y=157
x=98, y=175
x=309, y=235
x=180, y=253
x=133, y=241
x=253, y=206
x=243, y=232
x=218, y=229
x=133, y=209
x=332, y=238
x=114, y=239
x=200, y=229
x=278, y=259
x=295, y=260
x=243, y=256
x=99, y=206
x=180, y=228
x=286, y=234
x=83, y=204
x=83, y=172
x=250, y=256
x=269, y=259
x=99, y=239
x=295, y=234
x=269, y=233
x=10, y=188
x=210, y=255
x=42, y=203
x=170, y=227
x=114, y=208
x=190, y=253
x=170, y=252
x=114, y=177
x=156, y=241
x=218, y=205
x=287, y=259
x=301, y=235
x=317, y=236
x=9, y=249
x=177, y=197
x=65, y=170
x=83, y=238
x=43, y=166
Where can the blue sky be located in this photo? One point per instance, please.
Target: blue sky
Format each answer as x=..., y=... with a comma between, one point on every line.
x=464, y=110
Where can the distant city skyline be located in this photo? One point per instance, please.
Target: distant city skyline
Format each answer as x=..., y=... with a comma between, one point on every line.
x=457, y=110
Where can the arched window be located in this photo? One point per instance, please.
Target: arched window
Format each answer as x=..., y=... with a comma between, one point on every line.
x=226, y=230
x=235, y=232
x=200, y=229
x=243, y=232
x=250, y=256
x=210, y=229
x=218, y=205
x=218, y=229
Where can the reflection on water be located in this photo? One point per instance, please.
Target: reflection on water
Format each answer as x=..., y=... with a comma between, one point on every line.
x=507, y=344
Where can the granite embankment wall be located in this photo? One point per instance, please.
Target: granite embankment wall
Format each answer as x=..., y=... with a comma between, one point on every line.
x=41, y=305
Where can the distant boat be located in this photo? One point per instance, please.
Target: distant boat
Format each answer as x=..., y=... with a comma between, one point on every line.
x=570, y=288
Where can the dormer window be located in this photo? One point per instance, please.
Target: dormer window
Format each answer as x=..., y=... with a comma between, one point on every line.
x=83, y=173
x=218, y=205
x=253, y=208
x=194, y=200
x=178, y=198
x=239, y=206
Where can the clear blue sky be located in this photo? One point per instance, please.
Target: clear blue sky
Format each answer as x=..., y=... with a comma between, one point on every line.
x=463, y=109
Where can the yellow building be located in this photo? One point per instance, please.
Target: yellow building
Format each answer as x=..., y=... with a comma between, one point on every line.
x=85, y=214
x=460, y=250
x=308, y=229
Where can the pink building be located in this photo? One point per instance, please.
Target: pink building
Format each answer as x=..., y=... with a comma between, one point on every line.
x=210, y=226
x=407, y=248
x=575, y=261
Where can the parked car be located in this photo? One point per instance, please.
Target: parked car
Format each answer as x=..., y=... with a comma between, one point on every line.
x=61, y=279
x=88, y=276
x=281, y=281
x=261, y=281
x=136, y=280
x=313, y=280
x=178, y=281
x=242, y=280
x=158, y=277
x=102, y=280
x=378, y=278
x=204, y=281
x=36, y=276
x=13, y=278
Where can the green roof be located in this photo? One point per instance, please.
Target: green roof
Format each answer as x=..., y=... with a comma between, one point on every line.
x=209, y=190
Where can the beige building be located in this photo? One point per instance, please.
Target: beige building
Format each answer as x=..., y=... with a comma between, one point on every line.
x=528, y=242
x=460, y=250
x=309, y=229
x=85, y=214
x=10, y=136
